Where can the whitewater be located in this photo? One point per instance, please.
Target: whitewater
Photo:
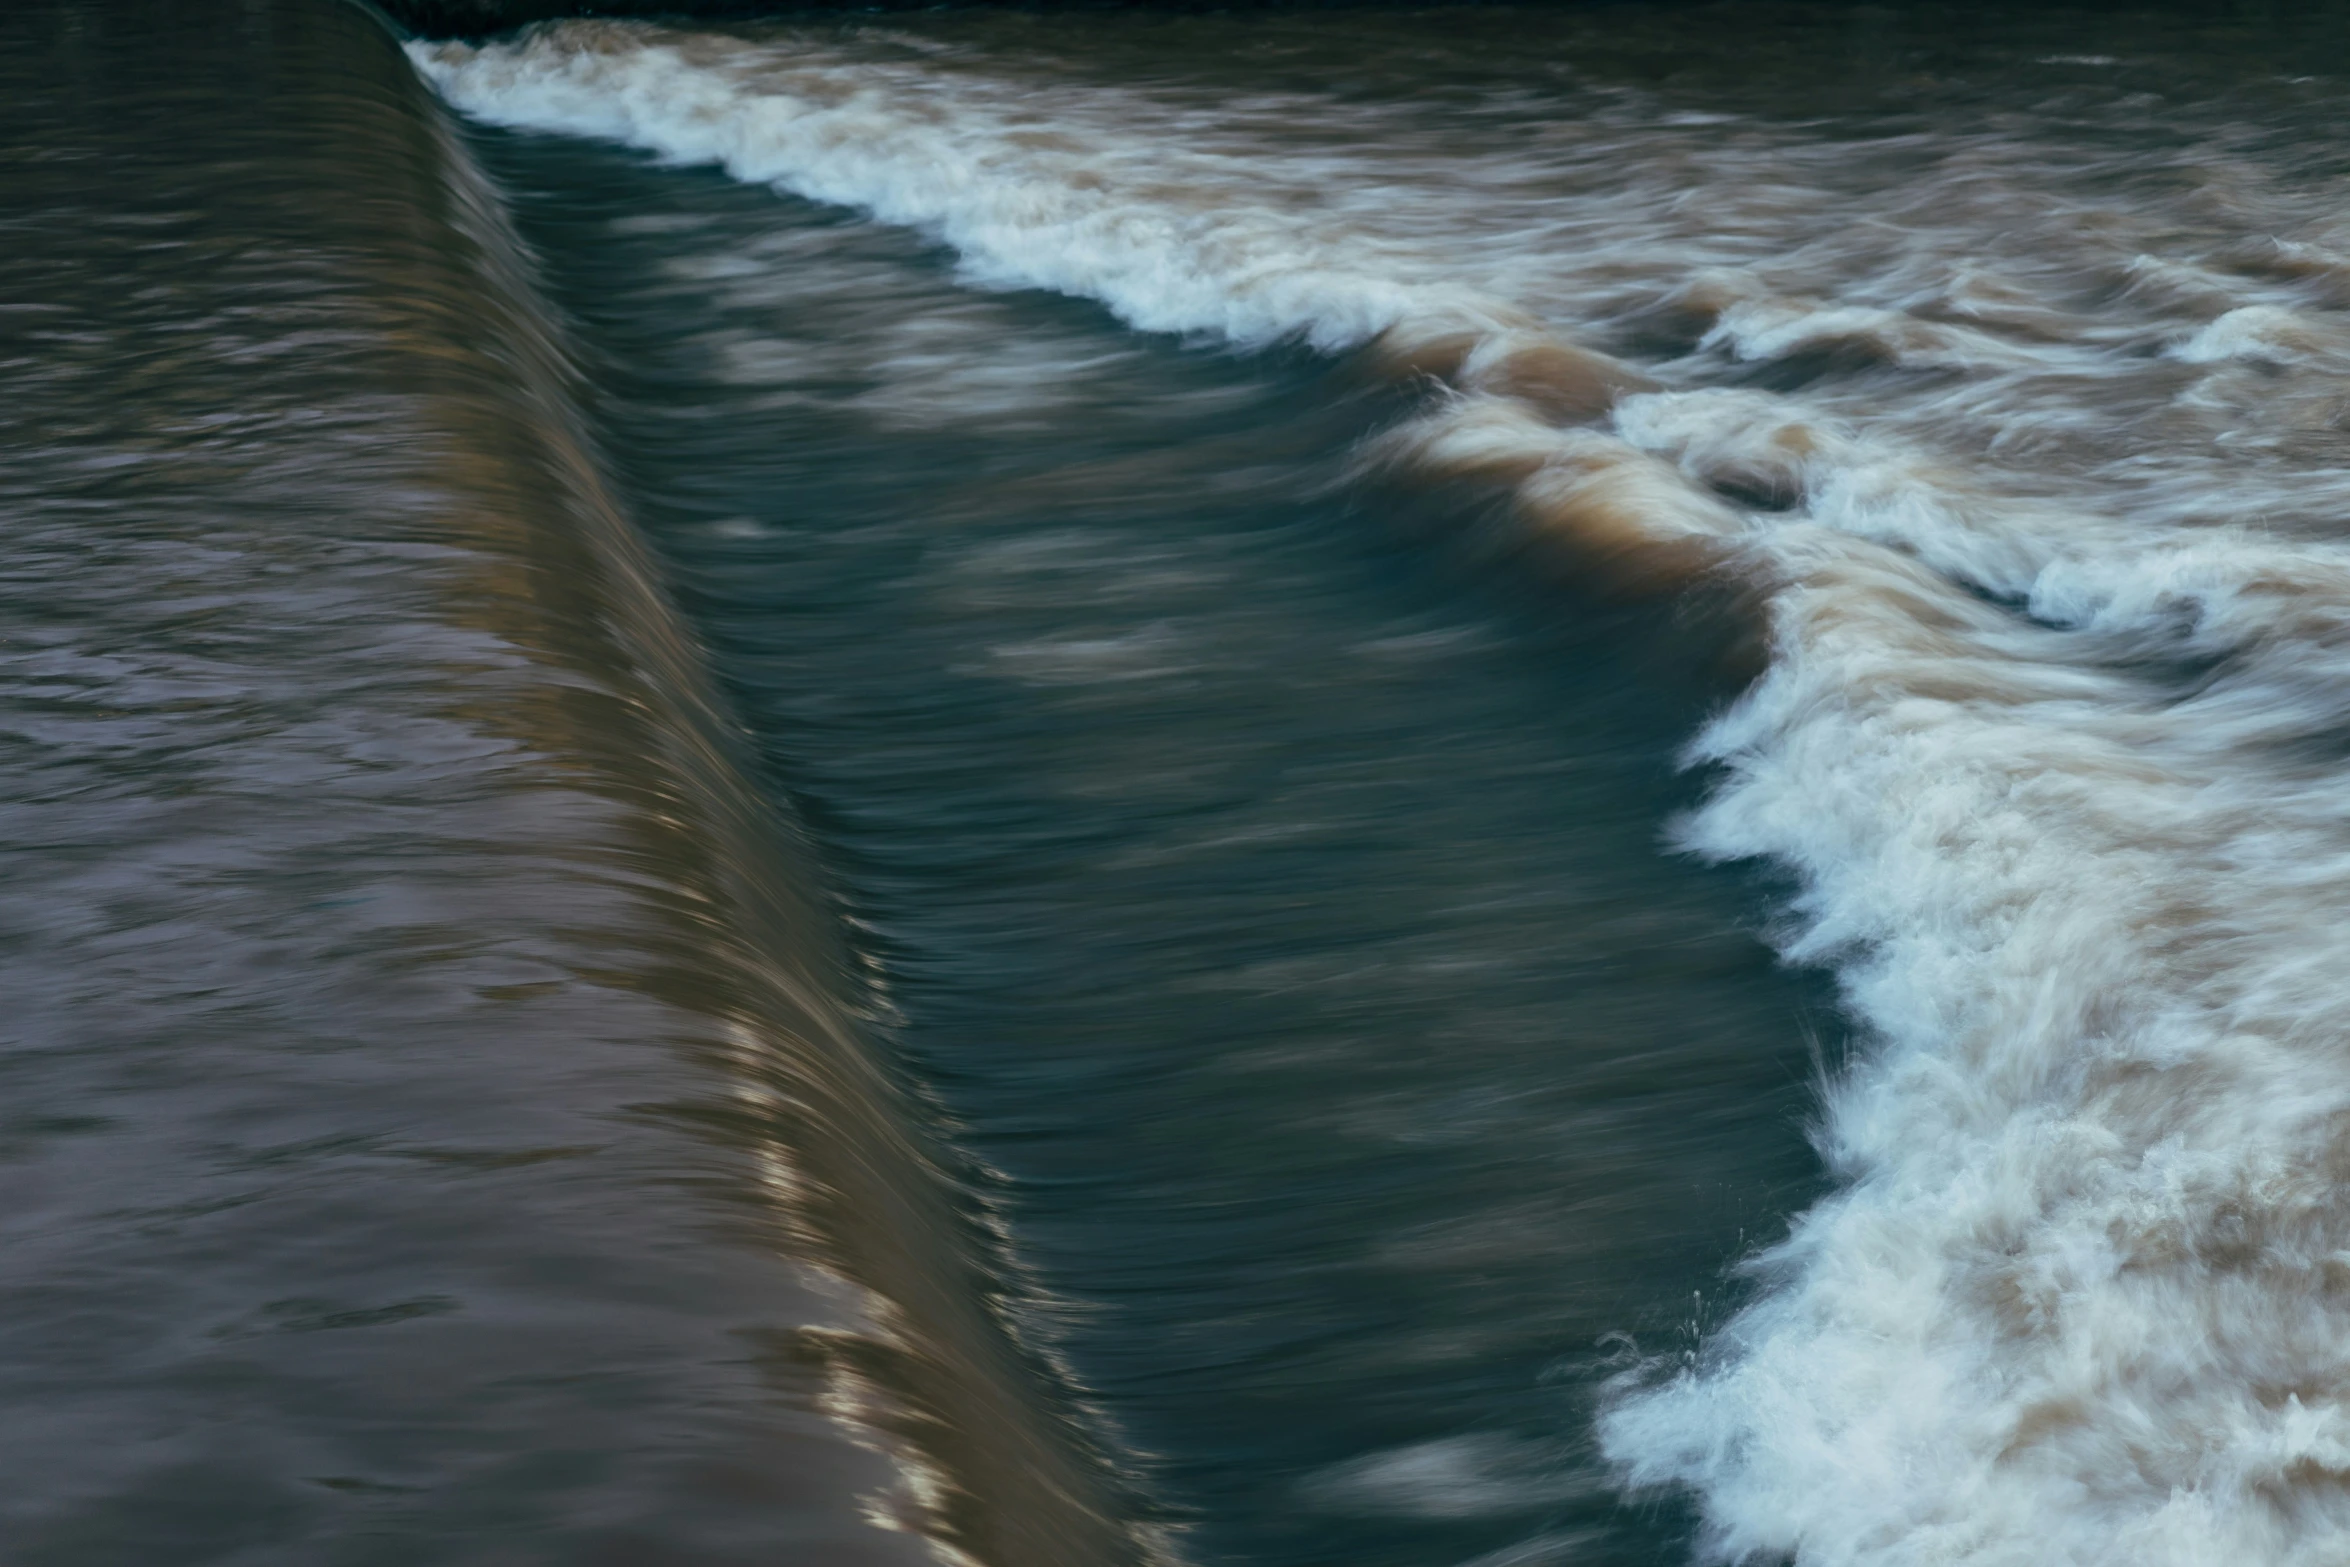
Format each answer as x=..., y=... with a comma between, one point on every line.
x=2016, y=436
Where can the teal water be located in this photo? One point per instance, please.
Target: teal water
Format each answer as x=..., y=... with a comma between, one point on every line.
x=1273, y=898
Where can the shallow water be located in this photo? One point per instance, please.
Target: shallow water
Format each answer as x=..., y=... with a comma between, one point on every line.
x=1480, y=787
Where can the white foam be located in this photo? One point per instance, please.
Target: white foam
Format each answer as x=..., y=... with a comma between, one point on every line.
x=2267, y=332
x=1483, y=1476
x=2053, y=741
x=2082, y=1300
x=1026, y=198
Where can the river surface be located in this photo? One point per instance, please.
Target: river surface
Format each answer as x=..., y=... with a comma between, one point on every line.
x=1359, y=789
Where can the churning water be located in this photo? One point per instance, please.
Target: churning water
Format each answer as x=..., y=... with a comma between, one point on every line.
x=1367, y=789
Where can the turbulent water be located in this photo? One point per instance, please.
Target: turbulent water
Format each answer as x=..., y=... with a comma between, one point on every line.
x=2017, y=417
x=1381, y=789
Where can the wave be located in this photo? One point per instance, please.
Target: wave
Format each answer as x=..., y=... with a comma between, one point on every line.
x=2058, y=777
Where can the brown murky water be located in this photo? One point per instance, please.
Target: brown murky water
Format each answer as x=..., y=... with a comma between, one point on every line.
x=436, y=1124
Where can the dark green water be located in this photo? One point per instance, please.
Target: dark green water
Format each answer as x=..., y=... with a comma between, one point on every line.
x=1272, y=899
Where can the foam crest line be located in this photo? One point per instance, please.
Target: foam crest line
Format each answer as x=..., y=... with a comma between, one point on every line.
x=1085, y=195
x=2061, y=789
x=1025, y=202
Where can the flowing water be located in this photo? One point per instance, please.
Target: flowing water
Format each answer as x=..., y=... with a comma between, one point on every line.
x=1380, y=789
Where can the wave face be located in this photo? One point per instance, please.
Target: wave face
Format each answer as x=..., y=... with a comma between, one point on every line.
x=2012, y=410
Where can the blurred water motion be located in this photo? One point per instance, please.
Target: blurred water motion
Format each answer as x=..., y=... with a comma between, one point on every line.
x=1112, y=791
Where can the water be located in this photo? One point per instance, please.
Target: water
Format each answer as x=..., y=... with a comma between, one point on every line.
x=406, y=994
x=1484, y=787
x=1346, y=1068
